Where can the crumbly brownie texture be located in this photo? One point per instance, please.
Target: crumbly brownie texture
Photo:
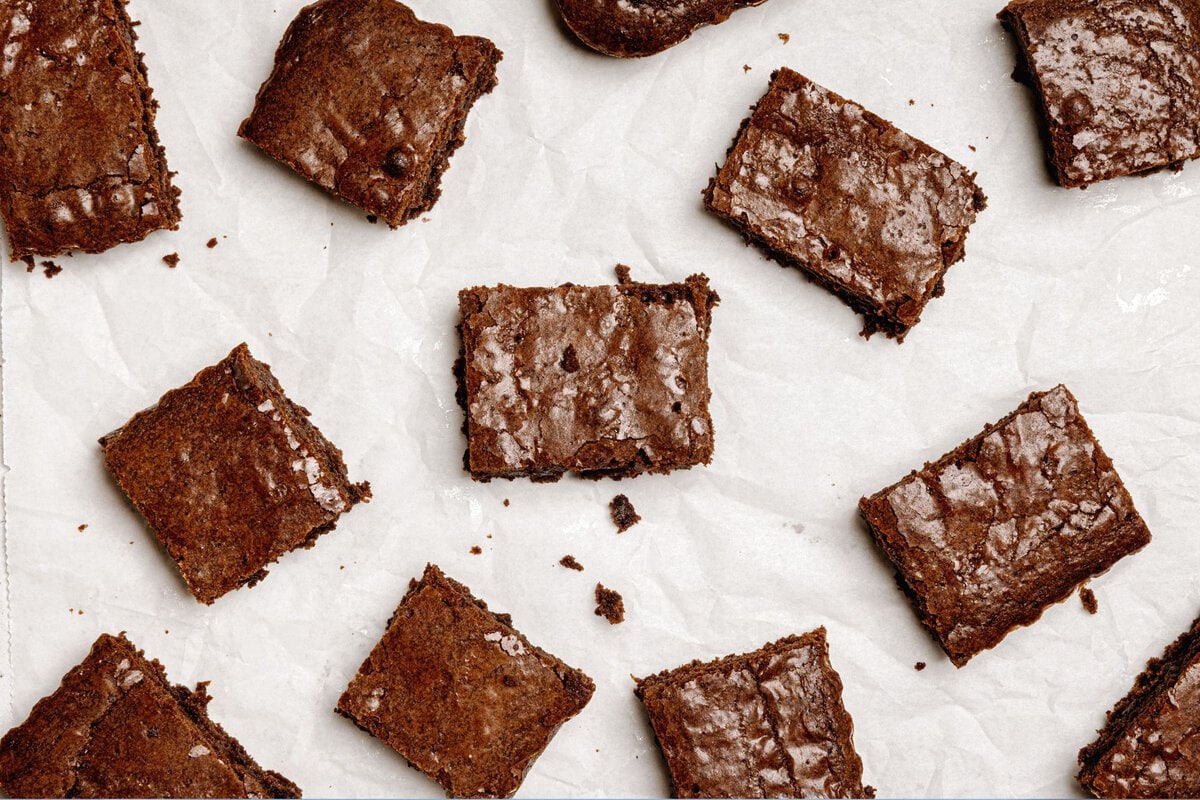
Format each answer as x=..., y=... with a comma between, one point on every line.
x=599, y=380
x=369, y=102
x=1118, y=82
x=1147, y=748
x=570, y=562
x=626, y=30
x=117, y=728
x=766, y=724
x=230, y=474
x=610, y=605
x=862, y=208
x=460, y=693
x=81, y=167
x=1088, y=598
x=624, y=515
x=1007, y=524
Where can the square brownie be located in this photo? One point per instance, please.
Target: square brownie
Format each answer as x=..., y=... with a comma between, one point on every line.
x=116, y=727
x=1005, y=525
x=863, y=209
x=456, y=690
x=1118, y=83
x=765, y=724
x=632, y=30
x=369, y=102
x=230, y=474
x=80, y=158
x=599, y=380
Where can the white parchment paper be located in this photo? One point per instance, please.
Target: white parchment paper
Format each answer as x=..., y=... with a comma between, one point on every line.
x=574, y=163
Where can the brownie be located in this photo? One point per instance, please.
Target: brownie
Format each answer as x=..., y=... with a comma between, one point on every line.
x=570, y=562
x=610, y=605
x=1007, y=524
x=627, y=30
x=599, y=380
x=862, y=208
x=230, y=474
x=461, y=694
x=1118, y=83
x=624, y=515
x=369, y=102
x=81, y=167
x=765, y=724
x=117, y=728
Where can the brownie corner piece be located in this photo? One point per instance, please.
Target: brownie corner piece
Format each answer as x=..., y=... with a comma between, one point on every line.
x=1005, y=525
x=633, y=30
x=1117, y=84
x=786, y=697
x=863, y=209
x=116, y=727
x=230, y=474
x=399, y=89
x=462, y=695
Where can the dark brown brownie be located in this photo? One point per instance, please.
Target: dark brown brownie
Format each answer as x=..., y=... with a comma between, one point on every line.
x=643, y=28
x=1088, y=598
x=624, y=515
x=570, y=562
x=369, y=102
x=460, y=693
x=865, y=210
x=81, y=167
x=610, y=605
x=765, y=724
x=1005, y=525
x=1118, y=82
x=116, y=727
x=600, y=380
x=230, y=474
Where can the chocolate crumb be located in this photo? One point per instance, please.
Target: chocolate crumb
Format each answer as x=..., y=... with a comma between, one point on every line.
x=506, y=502
x=785, y=38
x=211, y=243
x=745, y=67
x=610, y=605
x=920, y=665
x=971, y=147
x=623, y=275
x=912, y=102
x=82, y=527
x=50, y=268
x=623, y=514
x=371, y=218
x=569, y=562
x=476, y=550
x=341, y=567
x=1088, y=598
x=171, y=260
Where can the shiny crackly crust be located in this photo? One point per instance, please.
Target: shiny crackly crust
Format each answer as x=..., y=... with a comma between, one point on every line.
x=632, y=30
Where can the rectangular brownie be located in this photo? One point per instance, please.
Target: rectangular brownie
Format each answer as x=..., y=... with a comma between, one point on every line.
x=1005, y=525
x=599, y=380
x=116, y=727
x=457, y=691
x=230, y=474
x=863, y=209
x=1118, y=83
x=1147, y=748
x=81, y=162
x=369, y=102
x=765, y=724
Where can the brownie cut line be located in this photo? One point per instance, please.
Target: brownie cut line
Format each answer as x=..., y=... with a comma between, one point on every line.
x=863, y=209
x=230, y=474
x=1005, y=525
x=369, y=103
x=116, y=727
x=632, y=30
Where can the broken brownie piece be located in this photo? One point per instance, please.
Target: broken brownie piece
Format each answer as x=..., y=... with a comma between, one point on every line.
x=1118, y=83
x=865, y=210
x=230, y=474
x=460, y=693
x=766, y=724
x=610, y=605
x=624, y=515
x=600, y=380
x=81, y=164
x=1005, y=525
x=116, y=727
x=369, y=102
x=623, y=29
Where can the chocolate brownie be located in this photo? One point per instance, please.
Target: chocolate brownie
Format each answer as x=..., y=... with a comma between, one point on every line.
x=230, y=474
x=116, y=727
x=1005, y=525
x=862, y=208
x=460, y=693
x=369, y=102
x=600, y=380
x=624, y=515
x=81, y=167
x=623, y=29
x=570, y=562
x=610, y=605
x=765, y=724
x=1118, y=82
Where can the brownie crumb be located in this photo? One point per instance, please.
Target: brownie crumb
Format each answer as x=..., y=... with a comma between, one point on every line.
x=476, y=550
x=50, y=268
x=920, y=665
x=610, y=605
x=912, y=102
x=785, y=38
x=569, y=562
x=371, y=218
x=745, y=67
x=971, y=147
x=1088, y=598
x=623, y=513
x=82, y=527
x=171, y=260
x=506, y=502
x=623, y=275
x=211, y=243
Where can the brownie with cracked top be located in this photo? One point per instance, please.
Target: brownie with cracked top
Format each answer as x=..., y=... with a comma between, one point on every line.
x=862, y=208
x=81, y=166
x=598, y=380
x=230, y=474
x=1005, y=525
x=369, y=103
x=457, y=691
x=116, y=727
x=1117, y=82
x=628, y=30
x=765, y=724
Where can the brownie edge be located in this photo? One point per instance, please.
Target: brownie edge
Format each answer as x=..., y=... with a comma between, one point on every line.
x=634, y=30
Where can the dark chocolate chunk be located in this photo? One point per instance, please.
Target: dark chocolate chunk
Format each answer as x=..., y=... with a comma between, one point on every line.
x=644, y=27
x=610, y=605
x=624, y=516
